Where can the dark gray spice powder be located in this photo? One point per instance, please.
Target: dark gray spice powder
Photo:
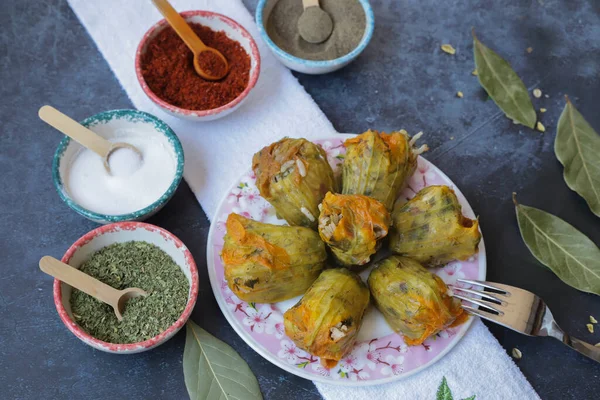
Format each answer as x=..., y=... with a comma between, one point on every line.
x=349, y=24
x=315, y=25
x=132, y=264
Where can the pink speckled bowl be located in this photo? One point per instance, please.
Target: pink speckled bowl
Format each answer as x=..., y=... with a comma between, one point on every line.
x=216, y=22
x=118, y=233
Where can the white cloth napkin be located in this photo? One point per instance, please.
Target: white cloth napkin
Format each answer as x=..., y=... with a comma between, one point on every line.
x=478, y=366
x=218, y=152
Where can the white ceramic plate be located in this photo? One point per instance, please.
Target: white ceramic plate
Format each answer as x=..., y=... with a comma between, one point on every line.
x=379, y=355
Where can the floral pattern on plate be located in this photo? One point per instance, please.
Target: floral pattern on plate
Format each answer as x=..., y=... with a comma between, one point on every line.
x=373, y=360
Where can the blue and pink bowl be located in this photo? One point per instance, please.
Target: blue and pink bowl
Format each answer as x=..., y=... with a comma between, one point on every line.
x=107, y=124
x=216, y=22
x=106, y=235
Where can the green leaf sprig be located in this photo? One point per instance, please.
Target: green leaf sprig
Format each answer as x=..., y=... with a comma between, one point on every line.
x=503, y=85
x=444, y=392
x=577, y=147
x=213, y=370
x=571, y=255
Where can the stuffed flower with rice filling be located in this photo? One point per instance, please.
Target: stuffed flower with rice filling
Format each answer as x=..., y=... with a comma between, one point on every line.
x=267, y=263
x=431, y=229
x=414, y=301
x=353, y=226
x=294, y=176
x=378, y=165
x=327, y=319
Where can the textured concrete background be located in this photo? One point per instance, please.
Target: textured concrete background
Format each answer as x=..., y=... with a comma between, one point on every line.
x=402, y=80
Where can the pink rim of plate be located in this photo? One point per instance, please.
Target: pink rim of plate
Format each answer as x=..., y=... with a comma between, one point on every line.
x=264, y=348
x=130, y=347
x=255, y=55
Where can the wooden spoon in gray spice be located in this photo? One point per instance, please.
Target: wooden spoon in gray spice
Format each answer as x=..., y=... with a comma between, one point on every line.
x=315, y=25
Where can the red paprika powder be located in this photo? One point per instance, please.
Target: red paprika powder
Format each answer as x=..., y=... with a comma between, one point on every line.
x=211, y=63
x=168, y=69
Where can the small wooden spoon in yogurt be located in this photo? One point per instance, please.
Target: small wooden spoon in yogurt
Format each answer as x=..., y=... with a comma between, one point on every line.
x=83, y=135
x=92, y=286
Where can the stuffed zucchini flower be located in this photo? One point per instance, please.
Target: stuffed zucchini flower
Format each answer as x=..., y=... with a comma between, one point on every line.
x=353, y=226
x=431, y=229
x=326, y=320
x=294, y=175
x=414, y=301
x=267, y=263
x=378, y=165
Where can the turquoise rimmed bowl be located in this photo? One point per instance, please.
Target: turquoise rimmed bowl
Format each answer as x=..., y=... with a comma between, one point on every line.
x=264, y=9
x=107, y=124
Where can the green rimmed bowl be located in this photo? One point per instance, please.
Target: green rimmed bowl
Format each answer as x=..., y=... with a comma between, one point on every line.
x=107, y=124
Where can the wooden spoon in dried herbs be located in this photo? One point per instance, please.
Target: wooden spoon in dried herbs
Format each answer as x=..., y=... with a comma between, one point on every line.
x=132, y=264
x=92, y=286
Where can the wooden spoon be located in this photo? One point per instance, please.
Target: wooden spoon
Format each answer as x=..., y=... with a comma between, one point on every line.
x=83, y=135
x=192, y=41
x=92, y=286
x=315, y=24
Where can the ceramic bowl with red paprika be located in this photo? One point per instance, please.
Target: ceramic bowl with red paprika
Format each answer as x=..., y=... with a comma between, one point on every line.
x=164, y=67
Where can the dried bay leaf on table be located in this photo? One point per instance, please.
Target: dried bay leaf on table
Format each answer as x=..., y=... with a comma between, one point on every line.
x=213, y=370
x=503, y=85
x=577, y=147
x=571, y=255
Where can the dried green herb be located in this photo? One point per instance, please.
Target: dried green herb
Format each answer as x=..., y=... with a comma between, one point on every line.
x=213, y=370
x=577, y=147
x=503, y=85
x=571, y=255
x=132, y=264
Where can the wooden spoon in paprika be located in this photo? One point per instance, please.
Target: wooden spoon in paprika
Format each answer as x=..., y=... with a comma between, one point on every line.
x=209, y=63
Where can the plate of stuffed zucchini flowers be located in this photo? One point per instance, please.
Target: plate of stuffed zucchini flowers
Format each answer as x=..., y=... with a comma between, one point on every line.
x=334, y=258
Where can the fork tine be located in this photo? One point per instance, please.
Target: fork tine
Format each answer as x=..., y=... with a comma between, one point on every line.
x=485, y=295
x=523, y=311
x=484, y=284
x=485, y=315
x=478, y=302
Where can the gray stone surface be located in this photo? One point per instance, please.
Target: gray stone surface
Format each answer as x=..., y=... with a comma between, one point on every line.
x=402, y=80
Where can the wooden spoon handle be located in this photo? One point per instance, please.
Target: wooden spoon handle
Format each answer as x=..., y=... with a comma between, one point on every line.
x=79, y=280
x=75, y=131
x=310, y=3
x=180, y=26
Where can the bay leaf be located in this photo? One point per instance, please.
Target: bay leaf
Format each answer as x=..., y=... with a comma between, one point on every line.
x=571, y=255
x=213, y=370
x=503, y=85
x=577, y=147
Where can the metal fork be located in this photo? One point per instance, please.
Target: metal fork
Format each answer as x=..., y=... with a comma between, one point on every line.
x=519, y=310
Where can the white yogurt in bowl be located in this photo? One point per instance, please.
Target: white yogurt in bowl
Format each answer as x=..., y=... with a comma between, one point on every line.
x=135, y=188
x=133, y=184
